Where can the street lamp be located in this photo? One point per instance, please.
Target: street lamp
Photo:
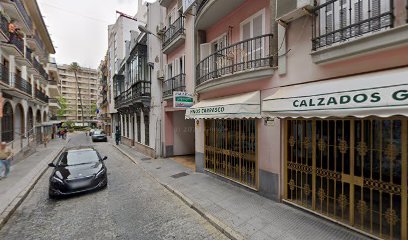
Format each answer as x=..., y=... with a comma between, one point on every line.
x=147, y=31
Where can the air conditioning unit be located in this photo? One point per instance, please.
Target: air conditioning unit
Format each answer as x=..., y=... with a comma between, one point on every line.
x=160, y=29
x=290, y=10
x=160, y=74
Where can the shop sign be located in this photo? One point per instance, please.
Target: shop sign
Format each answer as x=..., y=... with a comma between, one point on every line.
x=389, y=96
x=187, y=5
x=182, y=99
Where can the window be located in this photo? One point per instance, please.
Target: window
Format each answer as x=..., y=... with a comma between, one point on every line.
x=341, y=20
x=253, y=27
x=139, y=134
x=146, y=122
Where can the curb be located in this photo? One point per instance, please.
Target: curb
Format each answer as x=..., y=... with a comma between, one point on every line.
x=18, y=200
x=218, y=224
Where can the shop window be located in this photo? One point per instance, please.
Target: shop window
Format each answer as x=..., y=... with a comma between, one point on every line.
x=230, y=150
x=350, y=170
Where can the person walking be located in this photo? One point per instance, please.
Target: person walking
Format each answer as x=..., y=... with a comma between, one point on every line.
x=5, y=159
x=117, y=136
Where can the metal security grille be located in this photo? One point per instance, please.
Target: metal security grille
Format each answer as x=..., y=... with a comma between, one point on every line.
x=351, y=170
x=231, y=150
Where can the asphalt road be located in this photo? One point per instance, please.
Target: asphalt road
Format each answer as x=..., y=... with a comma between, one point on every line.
x=133, y=206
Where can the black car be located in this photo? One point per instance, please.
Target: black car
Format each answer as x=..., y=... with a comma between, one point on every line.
x=77, y=170
x=98, y=136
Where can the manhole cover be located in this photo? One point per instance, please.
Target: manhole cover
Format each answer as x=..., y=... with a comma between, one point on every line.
x=179, y=175
x=158, y=167
x=145, y=159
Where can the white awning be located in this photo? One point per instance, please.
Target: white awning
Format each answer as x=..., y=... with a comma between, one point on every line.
x=246, y=105
x=381, y=94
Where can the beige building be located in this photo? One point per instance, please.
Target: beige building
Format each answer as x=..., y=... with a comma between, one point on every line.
x=87, y=91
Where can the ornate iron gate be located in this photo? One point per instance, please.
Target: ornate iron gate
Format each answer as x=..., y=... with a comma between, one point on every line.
x=231, y=150
x=351, y=170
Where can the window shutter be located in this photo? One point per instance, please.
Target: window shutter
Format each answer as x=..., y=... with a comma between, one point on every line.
x=205, y=50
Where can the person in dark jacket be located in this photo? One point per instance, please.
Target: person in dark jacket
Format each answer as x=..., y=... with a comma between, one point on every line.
x=117, y=136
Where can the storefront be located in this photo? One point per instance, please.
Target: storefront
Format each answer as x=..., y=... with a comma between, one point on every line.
x=346, y=148
x=230, y=136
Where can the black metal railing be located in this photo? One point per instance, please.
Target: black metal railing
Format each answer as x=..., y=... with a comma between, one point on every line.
x=22, y=84
x=4, y=74
x=135, y=92
x=174, y=30
x=248, y=54
x=23, y=12
x=28, y=54
x=4, y=25
x=338, y=20
x=201, y=6
x=41, y=96
x=18, y=42
x=40, y=69
x=177, y=83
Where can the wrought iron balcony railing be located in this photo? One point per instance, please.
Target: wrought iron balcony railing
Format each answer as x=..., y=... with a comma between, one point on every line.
x=28, y=54
x=134, y=93
x=248, y=54
x=23, y=12
x=41, y=96
x=4, y=74
x=4, y=25
x=177, y=83
x=40, y=69
x=19, y=43
x=22, y=84
x=174, y=30
x=337, y=21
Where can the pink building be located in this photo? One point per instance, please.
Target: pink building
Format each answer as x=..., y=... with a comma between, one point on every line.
x=178, y=74
x=311, y=111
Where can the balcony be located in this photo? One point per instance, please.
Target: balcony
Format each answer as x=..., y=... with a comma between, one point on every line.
x=53, y=103
x=29, y=55
x=241, y=62
x=22, y=84
x=15, y=46
x=342, y=30
x=4, y=29
x=137, y=94
x=177, y=83
x=40, y=69
x=209, y=12
x=174, y=36
x=35, y=43
x=4, y=75
x=17, y=11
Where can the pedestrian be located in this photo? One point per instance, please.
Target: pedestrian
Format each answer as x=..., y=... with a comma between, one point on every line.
x=65, y=133
x=5, y=158
x=117, y=136
x=45, y=139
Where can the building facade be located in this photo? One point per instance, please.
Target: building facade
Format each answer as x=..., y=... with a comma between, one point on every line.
x=104, y=118
x=24, y=51
x=82, y=92
x=136, y=89
x=177, y=34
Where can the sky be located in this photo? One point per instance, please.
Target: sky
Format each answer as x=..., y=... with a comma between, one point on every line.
x=79, y=28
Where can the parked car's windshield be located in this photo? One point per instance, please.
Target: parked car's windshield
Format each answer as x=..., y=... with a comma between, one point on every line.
x=76, y=157
x=99, y=132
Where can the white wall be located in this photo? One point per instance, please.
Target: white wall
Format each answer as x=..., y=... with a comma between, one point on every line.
x=183, y=134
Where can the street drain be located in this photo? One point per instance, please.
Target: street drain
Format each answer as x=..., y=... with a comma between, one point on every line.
x=158, y=167
x=179, y=175
x=145, y=159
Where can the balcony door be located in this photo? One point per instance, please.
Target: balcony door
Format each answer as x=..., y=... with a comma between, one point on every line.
x=253, y=27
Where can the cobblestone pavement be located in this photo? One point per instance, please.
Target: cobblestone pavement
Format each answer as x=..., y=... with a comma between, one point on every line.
x=133, y=206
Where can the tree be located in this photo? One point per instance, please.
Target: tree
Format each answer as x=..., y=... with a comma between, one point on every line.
x=93, y=109
x=74, y=67
x=63, y=106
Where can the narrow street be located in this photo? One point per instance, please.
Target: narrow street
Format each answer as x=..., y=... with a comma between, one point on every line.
x=134, y=206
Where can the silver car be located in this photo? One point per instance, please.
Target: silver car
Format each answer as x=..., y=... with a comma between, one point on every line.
x=99, y=136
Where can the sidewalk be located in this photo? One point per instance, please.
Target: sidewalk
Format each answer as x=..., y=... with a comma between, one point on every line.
x=23, y=176
x=239, y=213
